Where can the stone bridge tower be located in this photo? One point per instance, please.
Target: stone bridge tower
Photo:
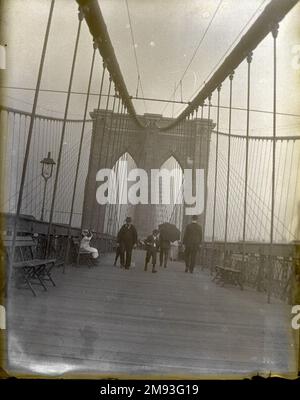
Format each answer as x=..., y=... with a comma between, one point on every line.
x=150, y=147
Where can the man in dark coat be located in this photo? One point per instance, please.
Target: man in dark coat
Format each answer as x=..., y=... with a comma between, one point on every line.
x=152, y=246
x=127, y=239
x=164, y=249
x=191, y=240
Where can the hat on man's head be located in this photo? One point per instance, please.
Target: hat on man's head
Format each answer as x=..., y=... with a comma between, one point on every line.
x=128, y=219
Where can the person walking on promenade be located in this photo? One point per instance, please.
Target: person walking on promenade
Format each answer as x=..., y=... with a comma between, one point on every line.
x=192, y=239
x=152, y=246
x=127, y=239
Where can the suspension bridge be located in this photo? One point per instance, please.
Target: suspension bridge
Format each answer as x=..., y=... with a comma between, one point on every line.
x=102, y=319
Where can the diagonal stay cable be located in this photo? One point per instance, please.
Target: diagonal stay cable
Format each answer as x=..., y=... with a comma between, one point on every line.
x=135, y=55
x=229, y=48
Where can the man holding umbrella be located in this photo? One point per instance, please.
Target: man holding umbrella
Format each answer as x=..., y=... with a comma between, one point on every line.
x=191, y=240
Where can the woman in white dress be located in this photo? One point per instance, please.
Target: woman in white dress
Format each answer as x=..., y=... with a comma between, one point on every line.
x=85, y=243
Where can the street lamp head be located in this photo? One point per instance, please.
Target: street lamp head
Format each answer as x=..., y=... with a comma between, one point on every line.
x=47, y=166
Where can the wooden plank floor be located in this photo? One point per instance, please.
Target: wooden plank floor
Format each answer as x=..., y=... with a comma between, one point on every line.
x=111, y=321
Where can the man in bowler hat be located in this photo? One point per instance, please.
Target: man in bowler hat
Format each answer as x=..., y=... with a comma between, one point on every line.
x=127, y=239
x=191, y=240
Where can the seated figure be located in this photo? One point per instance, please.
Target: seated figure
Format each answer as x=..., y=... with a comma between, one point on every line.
x=85, y=243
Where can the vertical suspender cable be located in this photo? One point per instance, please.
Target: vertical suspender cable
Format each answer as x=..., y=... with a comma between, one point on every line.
x=207, y=164
x=195, y=140
x=288, y=185
x=97, y=218
x=109, y=159
x=121, y=121
x=216, y=166
x=115, y=151
x=249, y=60
x=228, y=162
x=117, y=208
x=97, y=115
x=101, y=86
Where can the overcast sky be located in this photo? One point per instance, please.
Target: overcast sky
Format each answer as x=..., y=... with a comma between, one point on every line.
x=171, y=46
x=167, y=34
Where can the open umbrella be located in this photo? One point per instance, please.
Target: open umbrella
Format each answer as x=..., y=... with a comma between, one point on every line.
x=169, y=231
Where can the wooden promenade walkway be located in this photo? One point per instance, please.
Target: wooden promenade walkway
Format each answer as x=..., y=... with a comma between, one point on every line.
x=115, y=322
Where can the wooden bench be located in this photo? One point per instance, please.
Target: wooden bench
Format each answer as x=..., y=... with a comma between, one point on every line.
x=33, y=270
x=230, y=272
x=83, y=254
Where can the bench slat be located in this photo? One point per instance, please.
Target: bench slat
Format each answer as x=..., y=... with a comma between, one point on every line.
x=20, y=243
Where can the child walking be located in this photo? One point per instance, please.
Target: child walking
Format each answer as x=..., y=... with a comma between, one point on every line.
x=152, y=246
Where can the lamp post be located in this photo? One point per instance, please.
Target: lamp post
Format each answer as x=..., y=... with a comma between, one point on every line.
x=47, y=170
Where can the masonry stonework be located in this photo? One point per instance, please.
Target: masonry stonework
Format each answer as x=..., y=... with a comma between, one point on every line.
x=113, y=135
